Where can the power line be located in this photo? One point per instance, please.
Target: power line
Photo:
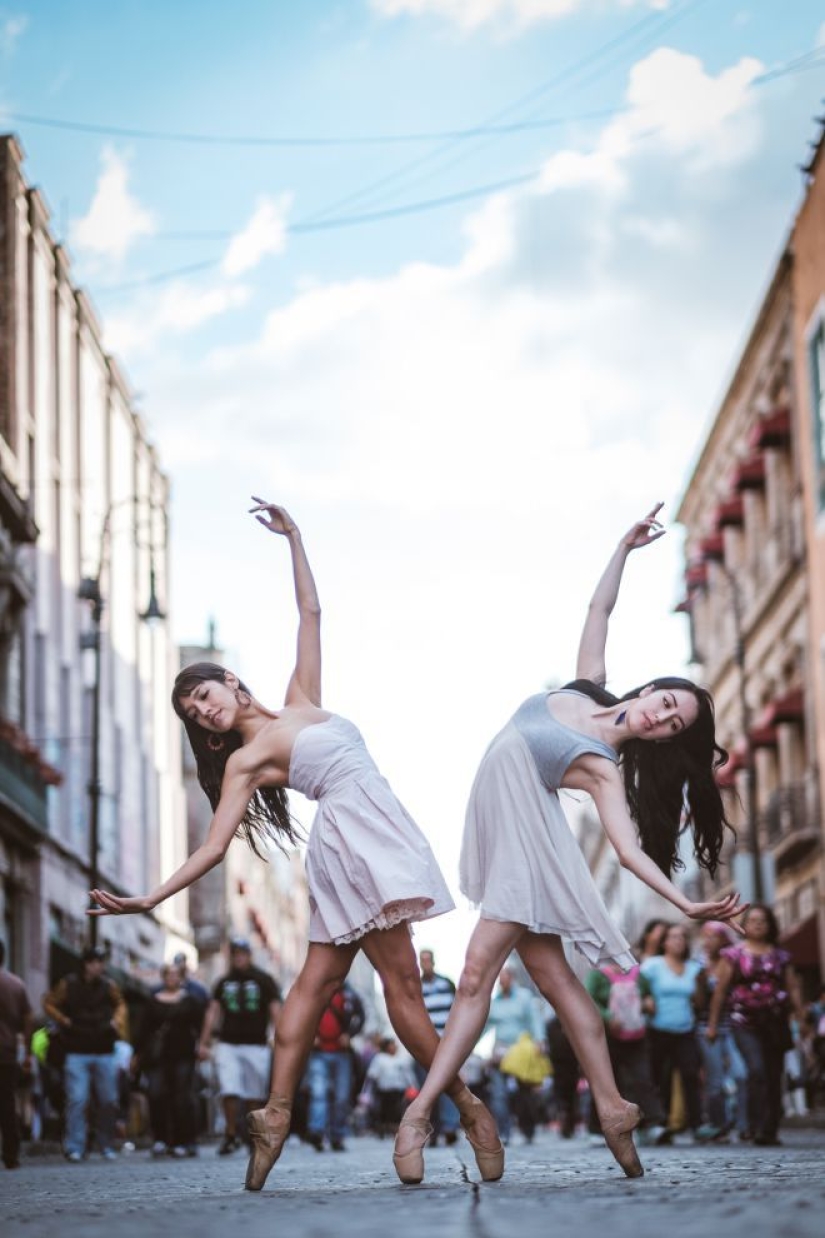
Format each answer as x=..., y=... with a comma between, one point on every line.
x=373, y=139
x=315, y=223
x=572, y=70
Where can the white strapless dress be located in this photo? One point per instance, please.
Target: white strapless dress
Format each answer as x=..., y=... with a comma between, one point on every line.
x=368, y=864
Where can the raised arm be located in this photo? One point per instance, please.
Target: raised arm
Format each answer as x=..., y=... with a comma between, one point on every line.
x=305, y=682
x=591, y=660
x=611, y=805
x=237, y=790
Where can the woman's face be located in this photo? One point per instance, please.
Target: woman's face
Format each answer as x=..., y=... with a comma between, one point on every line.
x=676, y=942
x=661, y=713
x=212, y=705
x=757, y=925
x=712, y=940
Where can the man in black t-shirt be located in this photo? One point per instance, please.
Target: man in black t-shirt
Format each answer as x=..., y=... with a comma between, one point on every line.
x=247, y=1002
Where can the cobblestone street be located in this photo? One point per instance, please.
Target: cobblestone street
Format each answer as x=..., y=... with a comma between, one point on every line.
x=551, y=1187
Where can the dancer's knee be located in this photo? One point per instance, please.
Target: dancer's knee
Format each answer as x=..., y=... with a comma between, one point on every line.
x=477, y=977
x=402, y=984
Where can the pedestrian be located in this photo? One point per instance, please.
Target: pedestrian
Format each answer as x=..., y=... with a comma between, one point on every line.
x=512, y=1013
x=391, y=1076
x=90, y=1013
x=723, y=1063
x=672, y=976
x=189, y=982
x=166, y=1054
x=651, y=939
x=755, y=976
x=244, y=1011
x=566, y=1077
x=644, y=758
x=369, y=868
x=624, y=1000
x=16, y=1026
x=439, y=994
x=330, y=1069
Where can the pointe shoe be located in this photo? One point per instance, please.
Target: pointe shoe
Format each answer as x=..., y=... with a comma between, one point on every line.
x=490, y=1161
x=410, y=1165
x=618, y=1135
x=266, y=1142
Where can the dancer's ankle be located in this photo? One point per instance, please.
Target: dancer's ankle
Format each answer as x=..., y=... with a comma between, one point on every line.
x=278, y=1102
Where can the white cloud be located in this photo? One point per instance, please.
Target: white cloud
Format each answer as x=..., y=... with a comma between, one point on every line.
x=264, y=234
x=178, y=309
x=11, y=28
x=672, y=104
x=115, y=219
x=471, y=14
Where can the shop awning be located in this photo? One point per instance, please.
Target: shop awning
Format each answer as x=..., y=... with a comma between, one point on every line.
x=750, y=474
x=731, y=513
x=772, y=430
x=712, y=549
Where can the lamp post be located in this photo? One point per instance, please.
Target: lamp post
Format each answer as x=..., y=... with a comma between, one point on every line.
x=90, y=591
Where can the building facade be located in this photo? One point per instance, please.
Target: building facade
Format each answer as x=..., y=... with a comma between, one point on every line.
x=84, y=507
x=747, y=596
x=808, y=279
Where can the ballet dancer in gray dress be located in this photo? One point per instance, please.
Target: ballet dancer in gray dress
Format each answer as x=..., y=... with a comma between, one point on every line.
x=646, y=759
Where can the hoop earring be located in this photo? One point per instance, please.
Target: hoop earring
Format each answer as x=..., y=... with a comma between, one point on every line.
x=214, y=743
x=243, y=698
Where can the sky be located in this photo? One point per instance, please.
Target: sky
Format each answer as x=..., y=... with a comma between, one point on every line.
x=459, y=282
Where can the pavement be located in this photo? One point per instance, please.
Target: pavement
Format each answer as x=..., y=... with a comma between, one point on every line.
x=551, y=1187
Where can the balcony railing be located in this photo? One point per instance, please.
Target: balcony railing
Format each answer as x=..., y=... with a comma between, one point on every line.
x=22, y=789
x=791, y=824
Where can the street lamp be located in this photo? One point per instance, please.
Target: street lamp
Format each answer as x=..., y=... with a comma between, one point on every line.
x=89, y=591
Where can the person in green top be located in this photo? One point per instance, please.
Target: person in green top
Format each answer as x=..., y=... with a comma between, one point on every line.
x=624, y=999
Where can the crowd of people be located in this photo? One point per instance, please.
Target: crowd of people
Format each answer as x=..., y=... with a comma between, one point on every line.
x=708, y=1036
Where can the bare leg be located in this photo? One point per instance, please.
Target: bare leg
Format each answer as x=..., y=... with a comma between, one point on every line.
x=392, y=955
x=489, y=947
x=230, y=1115
x=544, y=959
x=325, y=969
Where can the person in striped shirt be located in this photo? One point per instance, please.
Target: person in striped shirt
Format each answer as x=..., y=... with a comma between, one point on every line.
x=439, y=994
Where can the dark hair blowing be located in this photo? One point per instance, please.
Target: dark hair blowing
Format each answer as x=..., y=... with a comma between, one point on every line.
x=669, y=784
x=267, y=817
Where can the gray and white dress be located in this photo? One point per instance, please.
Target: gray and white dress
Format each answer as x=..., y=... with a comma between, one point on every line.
x=519, y=859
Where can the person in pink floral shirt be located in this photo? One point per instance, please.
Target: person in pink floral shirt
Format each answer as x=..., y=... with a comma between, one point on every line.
x=757, y=978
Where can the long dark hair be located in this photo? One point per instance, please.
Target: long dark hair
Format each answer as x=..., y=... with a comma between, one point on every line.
x=670, y=785
x=267, y=817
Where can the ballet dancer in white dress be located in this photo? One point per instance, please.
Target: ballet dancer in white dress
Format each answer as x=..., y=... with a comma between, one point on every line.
x=647, y=760
x=370, y=870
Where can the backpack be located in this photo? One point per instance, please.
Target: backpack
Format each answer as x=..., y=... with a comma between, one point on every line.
x=625, y=1005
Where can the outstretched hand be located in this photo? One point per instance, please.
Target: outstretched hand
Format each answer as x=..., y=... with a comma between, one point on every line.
x=723, y=909
x=645, y=531
x=276, y=519
x=111, y=905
